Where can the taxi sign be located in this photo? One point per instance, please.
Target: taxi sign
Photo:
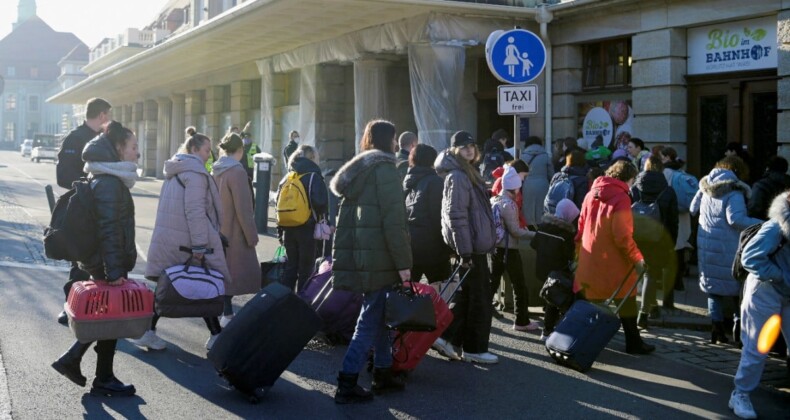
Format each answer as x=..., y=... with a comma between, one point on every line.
x=516, y=56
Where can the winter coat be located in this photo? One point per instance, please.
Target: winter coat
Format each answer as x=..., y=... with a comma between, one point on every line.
x=186, y=216
x=721, y=205
x=467, y=221
x=764, y=191
x=508, y=215
x=684, y=218
x=640, y=159
x=536, y=184
x=237, y=222
x=767, y=255
x=423, y=188
x=496, y=189
x=581, y=185
x=70, y=163
x=314, y=186
x=554, y=246
x=606, y=231
x=117, y=253
x=402, y=163
x=289, y=149
x=651, y=186
x=372, y=238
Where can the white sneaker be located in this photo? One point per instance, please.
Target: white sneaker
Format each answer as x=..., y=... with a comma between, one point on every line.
x=150, y=340
x=445, y=349
x=225, y=320
x=484, y=358
x=211, y=340
x=742, y=405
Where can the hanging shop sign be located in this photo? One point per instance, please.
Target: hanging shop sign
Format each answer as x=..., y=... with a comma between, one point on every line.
x=733, y=46
x=516, y=56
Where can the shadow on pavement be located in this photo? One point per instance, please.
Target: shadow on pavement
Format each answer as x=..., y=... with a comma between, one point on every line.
x=96, y=407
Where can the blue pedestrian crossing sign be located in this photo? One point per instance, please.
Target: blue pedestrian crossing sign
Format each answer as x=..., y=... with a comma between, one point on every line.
x=516, y=56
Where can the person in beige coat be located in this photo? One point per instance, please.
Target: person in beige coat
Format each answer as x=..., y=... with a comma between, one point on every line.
x=238, y=223
x=188, y=216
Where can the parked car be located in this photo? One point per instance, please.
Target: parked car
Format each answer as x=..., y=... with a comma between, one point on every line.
x=44, y=152
x=26, y=148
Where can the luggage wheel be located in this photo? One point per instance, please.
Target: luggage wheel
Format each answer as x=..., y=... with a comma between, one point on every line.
x=258, y=394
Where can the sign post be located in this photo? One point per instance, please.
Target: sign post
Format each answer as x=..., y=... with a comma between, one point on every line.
x=516, y=57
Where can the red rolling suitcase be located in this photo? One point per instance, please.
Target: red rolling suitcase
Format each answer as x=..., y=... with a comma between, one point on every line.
x=409, y=348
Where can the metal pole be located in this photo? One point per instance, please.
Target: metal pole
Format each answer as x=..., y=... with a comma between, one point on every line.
x=50, y=197
x=517, y=136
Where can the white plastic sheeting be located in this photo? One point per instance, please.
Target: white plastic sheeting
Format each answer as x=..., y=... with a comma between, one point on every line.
x=436, y=73
x=307, y=82
x=267, y=106
x=370, y=81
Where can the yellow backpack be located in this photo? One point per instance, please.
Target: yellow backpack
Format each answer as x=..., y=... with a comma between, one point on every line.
x=293, y=202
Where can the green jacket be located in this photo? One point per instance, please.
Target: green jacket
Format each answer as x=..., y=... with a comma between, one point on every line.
x=372, y=240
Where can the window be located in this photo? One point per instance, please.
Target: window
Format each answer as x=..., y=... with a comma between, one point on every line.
x=32, y=103
x=607, y=64
x=34, y=72
x=10, y=102
x=9, y=131
x=10, y=71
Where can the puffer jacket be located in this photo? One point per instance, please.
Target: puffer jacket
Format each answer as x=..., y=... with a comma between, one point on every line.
x=651, y=186
x=117, y=253
x=508, y=215
x=767, y=255
x=606, y=231
x=187, y=216
x=238, y=226
x=316, y=189
x=554, y=246
x=764, y=191
x=467, y=221
x=721, y=205
x=423, y=188
x=372, y=238
x=536, y=184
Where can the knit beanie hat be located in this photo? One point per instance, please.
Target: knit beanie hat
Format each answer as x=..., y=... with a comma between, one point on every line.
x=567, y=210
x=510, y=180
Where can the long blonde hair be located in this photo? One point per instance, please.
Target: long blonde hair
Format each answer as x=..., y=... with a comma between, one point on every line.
x=466, y=166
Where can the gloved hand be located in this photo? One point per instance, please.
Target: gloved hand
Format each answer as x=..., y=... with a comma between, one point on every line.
x=466, y=261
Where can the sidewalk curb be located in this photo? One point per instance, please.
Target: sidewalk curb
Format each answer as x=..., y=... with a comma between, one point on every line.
x=5, y=395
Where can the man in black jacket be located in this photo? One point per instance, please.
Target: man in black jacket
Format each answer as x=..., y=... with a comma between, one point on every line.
x=765, y=190
x=70, y=167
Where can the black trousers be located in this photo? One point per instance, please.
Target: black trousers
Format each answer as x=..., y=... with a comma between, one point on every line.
x=300, y=249
x=440, y=271
x=515, y=270
x=471, y=308
x=75, y=274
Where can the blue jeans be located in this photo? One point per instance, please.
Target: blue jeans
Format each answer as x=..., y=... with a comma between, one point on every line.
x=370, y=331
x=760, y=301
x=720, y=306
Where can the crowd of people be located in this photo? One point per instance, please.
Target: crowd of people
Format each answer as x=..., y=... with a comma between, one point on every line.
x=402, y=210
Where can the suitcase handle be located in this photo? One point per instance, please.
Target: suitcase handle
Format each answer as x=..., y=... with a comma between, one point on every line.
x=611, y=299
x=450, y=280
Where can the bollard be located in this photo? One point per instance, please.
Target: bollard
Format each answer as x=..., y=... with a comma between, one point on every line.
x=50, y=197
x=262, y=180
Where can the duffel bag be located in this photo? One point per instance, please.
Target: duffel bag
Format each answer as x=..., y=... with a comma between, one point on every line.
x=189, y=291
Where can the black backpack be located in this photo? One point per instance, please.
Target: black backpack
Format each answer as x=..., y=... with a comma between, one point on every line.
x=648, y=226
x=72, y=234
x=492, y=160
x=738, y=272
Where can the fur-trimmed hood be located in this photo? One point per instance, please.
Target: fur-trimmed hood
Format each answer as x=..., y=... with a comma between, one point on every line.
x=358, y=169
x=720, y=182
x=780, y=212
x=556, y=222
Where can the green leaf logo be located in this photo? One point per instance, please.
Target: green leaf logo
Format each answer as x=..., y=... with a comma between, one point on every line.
x=758, y=34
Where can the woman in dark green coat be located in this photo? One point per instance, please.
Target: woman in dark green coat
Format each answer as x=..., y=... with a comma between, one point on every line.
x=372, y=253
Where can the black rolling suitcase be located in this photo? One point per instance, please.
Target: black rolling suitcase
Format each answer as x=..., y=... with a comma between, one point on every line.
x=263, y=339
x=585, y=331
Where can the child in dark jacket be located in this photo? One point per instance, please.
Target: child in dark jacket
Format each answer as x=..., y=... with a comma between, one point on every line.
x=555, y=249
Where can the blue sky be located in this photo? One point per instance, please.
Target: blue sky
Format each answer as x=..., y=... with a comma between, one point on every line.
x=90, y=20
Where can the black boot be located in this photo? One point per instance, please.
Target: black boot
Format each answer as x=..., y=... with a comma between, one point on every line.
x=642, y=320
x=63, y=318
x=384, y=380
x=105, y=383
x=633, y=342
x=717, y=333
x=736, y=334
x=348, y=392
x=68, y=364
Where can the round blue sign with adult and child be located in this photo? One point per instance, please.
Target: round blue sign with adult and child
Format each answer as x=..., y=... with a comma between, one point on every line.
x=516, y=56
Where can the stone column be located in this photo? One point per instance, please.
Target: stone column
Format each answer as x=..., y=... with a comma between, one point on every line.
x=783, y=86
x=370, y=84
x=307, y=105
x=126, y=115
x=659, y=95
x=567, y=83
x=213, y=101
x=194, y=107
x=164, y=109
x=177, y=122
x=149, y=124
x=240, y=102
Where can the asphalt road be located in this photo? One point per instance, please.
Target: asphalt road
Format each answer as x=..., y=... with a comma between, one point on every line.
x=179, y=383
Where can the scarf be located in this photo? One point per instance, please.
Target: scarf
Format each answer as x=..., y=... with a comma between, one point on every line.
x=126, y=171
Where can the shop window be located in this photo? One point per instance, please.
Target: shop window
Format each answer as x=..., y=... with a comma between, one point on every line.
x=10, y=102
x=32, y=103
x=9, y=130
x=607, y=64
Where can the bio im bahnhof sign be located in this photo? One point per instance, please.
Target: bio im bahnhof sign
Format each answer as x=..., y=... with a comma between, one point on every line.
x=733, y=46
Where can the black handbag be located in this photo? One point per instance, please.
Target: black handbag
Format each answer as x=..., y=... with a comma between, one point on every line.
x=406, y=310
x=557, y=291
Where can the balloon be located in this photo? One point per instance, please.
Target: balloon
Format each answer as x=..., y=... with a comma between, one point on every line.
x=769, y=334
